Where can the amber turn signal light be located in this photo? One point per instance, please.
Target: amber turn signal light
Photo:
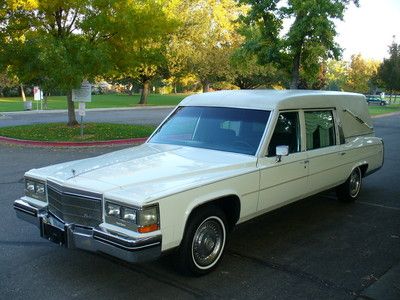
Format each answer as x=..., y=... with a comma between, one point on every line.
x=148, y=228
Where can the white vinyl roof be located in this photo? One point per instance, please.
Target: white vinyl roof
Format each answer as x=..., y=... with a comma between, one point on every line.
x=272, y=99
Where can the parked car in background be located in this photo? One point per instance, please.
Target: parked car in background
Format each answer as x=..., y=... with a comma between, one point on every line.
x=219, y=159
x=375, y=100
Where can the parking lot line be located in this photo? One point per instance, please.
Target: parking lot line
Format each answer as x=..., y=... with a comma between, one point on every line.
x=365, y=203
x=378, y=205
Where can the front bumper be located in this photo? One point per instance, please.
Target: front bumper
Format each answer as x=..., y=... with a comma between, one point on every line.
x=91, y=239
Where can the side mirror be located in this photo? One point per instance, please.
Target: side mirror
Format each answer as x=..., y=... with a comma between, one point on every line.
x=281, y=151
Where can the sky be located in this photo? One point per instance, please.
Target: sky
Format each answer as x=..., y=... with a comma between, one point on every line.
x=369, y=29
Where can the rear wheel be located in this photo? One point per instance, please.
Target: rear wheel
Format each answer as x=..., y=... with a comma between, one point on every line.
x=204, y=241
x=350, y=190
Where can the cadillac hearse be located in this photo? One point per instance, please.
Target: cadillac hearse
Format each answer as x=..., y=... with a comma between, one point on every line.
x=219, y=159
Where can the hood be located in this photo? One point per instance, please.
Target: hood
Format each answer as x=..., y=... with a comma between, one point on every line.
x=141, y=174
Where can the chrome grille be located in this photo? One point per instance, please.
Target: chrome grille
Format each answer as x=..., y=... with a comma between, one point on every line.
x=74, y=206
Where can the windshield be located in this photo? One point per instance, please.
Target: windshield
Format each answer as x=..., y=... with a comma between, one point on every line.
x=236, y=130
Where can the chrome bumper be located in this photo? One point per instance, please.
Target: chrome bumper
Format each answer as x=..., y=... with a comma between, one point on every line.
x=90, y=239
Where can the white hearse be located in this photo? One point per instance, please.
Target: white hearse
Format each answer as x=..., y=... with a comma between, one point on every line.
x=217, y=160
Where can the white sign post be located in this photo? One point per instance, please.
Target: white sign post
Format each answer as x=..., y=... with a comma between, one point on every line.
x=82, y=95
x=38, y=96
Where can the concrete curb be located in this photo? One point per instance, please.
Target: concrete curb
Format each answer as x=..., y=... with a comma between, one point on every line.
x=8, y=140
x=50, y=111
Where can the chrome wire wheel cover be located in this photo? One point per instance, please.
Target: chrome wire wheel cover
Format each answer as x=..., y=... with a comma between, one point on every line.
x=355, y=182
x=208, y=242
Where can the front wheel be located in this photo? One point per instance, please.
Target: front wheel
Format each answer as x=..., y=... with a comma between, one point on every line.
x=350, y=190
x=203, y=242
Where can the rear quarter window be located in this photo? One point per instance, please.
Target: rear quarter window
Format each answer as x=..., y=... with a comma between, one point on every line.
x=320, y=129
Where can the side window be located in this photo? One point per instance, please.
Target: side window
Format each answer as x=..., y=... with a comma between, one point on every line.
x=287, y=132
x=320, y=129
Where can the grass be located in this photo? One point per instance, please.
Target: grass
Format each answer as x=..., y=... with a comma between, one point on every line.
x=98, y=101
x=61, y=132
x=380, y=110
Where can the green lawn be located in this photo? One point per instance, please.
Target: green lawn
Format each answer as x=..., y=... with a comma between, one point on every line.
x=379, y=110
x=98, y=101
x=61, y=132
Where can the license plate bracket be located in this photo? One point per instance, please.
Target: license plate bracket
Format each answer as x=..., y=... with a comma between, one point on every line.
x=54, y=234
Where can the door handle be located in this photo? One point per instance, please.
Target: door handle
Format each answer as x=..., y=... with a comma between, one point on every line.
x=342, y=153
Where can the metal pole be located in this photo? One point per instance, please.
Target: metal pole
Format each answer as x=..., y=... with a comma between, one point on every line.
x=81, y=127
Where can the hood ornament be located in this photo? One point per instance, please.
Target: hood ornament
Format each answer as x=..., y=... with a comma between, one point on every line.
x=73, y=172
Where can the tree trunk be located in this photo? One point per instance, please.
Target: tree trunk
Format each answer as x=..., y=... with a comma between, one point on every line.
x=144, y=93
x=206, y=87
x=23, y=93
x=45, y=96
x=71, y=110
x=294, y=84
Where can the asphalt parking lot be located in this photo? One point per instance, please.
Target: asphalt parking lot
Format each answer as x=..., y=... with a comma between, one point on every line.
x=316, y=248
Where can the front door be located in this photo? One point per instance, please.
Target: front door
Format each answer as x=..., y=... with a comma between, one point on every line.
x=283, y=181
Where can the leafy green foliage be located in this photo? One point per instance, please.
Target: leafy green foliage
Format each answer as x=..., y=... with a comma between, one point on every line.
x=205, y=40
x=389, y=71
x=247, y=73
x=309, y=41
x=361, y=74
x=57, y=44
x=336, y=74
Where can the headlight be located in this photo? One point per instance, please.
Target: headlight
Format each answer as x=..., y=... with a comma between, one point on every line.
x=142, y=220
x=113, y=209
x=35, y=189
x=129, y=215
x=148, y=219
x=148, y=216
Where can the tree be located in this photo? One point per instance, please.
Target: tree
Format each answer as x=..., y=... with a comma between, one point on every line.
x=205, y=40
x=360, y=74
x=247, y=73
x=60, y=43
x=309, y=41
x=336, y=74
x=144, y=54
x=389, y=71
x=6, y=81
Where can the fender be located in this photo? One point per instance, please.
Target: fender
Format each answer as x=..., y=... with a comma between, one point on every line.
x=201, y=200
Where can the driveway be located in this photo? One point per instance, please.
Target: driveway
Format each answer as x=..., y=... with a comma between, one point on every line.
x=316, y=248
